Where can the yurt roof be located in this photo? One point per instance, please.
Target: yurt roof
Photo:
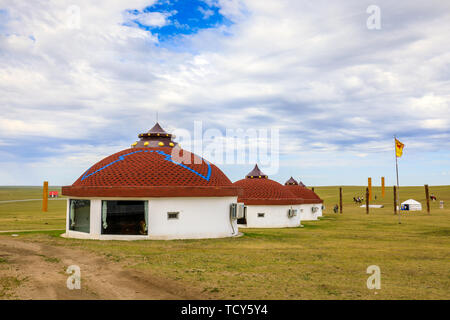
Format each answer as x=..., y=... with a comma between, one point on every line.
x=258, y=189
x=411, y=201
x=301, y=191
x=155, y=166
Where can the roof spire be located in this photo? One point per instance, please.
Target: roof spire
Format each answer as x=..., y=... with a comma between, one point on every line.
x=155, y=137
x=256, y=173
x=157, y=129
x=291, y=181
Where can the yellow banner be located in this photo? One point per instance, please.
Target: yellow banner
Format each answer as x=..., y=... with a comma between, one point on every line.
x=398, y=148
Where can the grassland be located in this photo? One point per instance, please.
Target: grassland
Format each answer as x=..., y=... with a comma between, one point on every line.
x=326, y=259
x=27, y=215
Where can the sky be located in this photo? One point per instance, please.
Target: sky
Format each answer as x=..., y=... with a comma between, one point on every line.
x=79, y=80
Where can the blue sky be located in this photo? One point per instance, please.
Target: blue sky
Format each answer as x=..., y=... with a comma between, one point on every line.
x=181, y=18
x=74, y=89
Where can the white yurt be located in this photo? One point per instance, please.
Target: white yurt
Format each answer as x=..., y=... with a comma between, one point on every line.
x=312, y=208
x=411, y=205
x=267, y=204
x=153, y=190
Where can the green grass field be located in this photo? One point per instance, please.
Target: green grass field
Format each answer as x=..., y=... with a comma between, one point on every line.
x=326, y=259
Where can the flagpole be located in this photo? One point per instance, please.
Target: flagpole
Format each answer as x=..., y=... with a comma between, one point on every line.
x=396, y=171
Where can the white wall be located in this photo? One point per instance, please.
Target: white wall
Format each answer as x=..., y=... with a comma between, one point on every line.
x=199, y=217
x=306, y=213
x=96, y=217
x=275, y=216
x=206, y=217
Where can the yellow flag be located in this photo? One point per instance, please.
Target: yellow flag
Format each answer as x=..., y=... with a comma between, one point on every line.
x=398, y=148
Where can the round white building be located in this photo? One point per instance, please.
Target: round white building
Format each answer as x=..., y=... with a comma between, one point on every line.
x=312, y=208
x=267, y=203
x=154, y=190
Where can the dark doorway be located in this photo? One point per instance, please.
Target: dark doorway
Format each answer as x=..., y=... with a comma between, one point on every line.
x=125, y=217
x=243, y=220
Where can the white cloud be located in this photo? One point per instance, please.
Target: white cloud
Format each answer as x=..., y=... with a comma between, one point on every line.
x=151, y=19
x=207, y=13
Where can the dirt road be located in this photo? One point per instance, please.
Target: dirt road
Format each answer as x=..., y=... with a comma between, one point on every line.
x=30, y=270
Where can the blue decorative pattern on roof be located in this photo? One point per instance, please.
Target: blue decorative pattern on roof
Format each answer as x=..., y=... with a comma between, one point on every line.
x=167, y=157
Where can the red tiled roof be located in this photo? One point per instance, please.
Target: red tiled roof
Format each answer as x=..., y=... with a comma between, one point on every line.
x=305, y=193
x=265, y=192
x=152, y=172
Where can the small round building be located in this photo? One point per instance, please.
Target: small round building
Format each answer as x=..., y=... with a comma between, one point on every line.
x=153, y=190
x=268, y=204
x=312, y=207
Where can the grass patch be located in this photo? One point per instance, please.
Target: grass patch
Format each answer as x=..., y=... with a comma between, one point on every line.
x=8, y=285
x=50, y=259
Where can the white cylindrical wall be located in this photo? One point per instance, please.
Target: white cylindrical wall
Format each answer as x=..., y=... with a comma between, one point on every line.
x=199, y=217
x=306, y=211
x=275, y=216
x=207, y=217
x=96, y=217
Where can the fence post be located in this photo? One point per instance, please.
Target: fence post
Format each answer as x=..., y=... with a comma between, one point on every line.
x=427, y=194
x=367, y=200
x=45, y=197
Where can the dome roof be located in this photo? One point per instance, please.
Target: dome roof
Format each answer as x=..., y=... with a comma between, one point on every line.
x=258, y=189
x=146, y=170
x=301, y=191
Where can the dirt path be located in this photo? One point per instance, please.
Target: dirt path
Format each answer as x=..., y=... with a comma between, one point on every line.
x=31, y=270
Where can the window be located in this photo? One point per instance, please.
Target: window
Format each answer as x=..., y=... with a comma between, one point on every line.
x=80, y=215
x=172, y=215
x=261, y=215
x=125, y=217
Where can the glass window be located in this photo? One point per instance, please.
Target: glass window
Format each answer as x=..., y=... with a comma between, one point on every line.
x=125, y=217
x=80, y=213
x=261, y=215
x=172, y=215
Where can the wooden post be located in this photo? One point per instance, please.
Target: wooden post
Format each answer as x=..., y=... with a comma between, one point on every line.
x=427, y=194
x=369, y=185
x=340, y=199
x=45, y=197
x=383, y=188
x=395, y=199
x=367, y=200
